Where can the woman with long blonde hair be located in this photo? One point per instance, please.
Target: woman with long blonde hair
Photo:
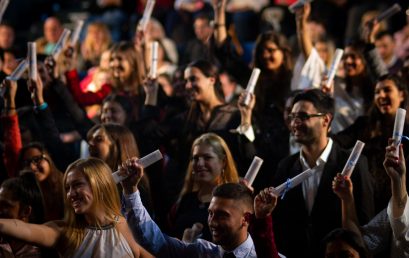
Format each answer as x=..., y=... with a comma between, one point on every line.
x=93, y=225
x=211, y=164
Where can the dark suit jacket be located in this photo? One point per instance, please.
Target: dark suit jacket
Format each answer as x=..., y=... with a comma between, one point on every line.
x=299, y=234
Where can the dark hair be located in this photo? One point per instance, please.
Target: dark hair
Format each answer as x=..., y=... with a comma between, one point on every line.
x=347, y=236
x=323, y=102
x=282, y=44
x=123, y=101
x=235, y=191
x=123, y=141
x=26, y=191
x=382, y=34
x=209, y=70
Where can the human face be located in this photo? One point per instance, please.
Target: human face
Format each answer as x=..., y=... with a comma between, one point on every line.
x=272, y=56
x=112, y=112
x=385, y=47
x=9, y=207
x=353, y=63
x=78, y=192
x=10, y=63
x=387, y=97
x=99, y=144
x=198, y=85
x=340, y=249
x=227, y=222
x=307, y=132
x=207, y=166
x=202, y=29
x=52, y=30
x=6, y=37
x=121, y=68
x=36, y=161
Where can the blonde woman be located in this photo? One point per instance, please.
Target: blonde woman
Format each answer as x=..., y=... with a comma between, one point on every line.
x=93, y=225
x=211, y=164
x=97, y=40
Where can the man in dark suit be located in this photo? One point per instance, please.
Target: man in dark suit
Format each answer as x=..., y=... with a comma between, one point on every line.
x=311, y=210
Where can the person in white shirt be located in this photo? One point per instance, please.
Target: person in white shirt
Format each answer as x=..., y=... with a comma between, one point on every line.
x=388, y=232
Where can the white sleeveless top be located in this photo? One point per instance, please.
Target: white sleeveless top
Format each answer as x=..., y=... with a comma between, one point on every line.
x=103, y=242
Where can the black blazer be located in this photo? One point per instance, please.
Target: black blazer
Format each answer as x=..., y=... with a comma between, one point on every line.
x=299, y=234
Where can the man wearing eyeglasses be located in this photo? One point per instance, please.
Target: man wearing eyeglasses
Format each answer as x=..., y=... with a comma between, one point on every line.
x=309, y=211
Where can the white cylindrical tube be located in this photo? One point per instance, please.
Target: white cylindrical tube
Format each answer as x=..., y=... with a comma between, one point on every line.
x=3, y=7
x=394, y=9
x=146, y=15
x=60, y=43
x=334, y=66
x=294, y=182
x=251, y=84
x=144, y=162
x=18, y=72
x=253, y=170
x=32, y=60
x=154, y=59
x=76, y=33
x=353, y=159
x=398, y=128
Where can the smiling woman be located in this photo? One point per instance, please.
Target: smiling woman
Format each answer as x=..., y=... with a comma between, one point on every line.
x=376, y=128
x=92, y=220
x=211, y=164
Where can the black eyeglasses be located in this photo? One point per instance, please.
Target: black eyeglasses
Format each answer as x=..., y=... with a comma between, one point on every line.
x=303, y=116
x=36, y=160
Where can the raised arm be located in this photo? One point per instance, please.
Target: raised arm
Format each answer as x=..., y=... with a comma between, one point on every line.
x=220, y=31
x=11, y=134
x=45, y=235
x=398, y=208
x=342, y=187
x=261, y=228
x=303, y=33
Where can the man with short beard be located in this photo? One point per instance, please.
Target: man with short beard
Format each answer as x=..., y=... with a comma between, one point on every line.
x=310, y=211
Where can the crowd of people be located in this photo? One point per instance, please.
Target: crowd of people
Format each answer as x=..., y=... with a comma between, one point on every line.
x=98, y=107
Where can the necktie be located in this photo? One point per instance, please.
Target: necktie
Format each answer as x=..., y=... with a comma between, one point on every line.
x=229, y=255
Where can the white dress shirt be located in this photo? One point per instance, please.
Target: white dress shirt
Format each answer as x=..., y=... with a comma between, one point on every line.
x=310, y=185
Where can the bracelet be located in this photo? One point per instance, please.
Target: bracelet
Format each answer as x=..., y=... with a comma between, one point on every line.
x=10, y=108
x=41, y=107
x=216, y=25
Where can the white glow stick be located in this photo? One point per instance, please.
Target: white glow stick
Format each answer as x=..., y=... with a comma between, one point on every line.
x=394, y=9
x=353, y=159
x=144, y=162
x=146, y=15
x=32, y=60
x=297, y=5
x=398, y=128
x=253, y=169
x=154, y=59
x=60, y=43
x=251, y=85
x=334, y=66
x=3, y=7
x=76, y=33
x=18, y=72
x=293, y=182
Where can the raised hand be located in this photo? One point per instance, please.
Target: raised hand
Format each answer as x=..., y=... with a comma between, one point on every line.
x=395, y=166
x=246, y=110
x=134, y=173
x=264, y=203
x=342, y=187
